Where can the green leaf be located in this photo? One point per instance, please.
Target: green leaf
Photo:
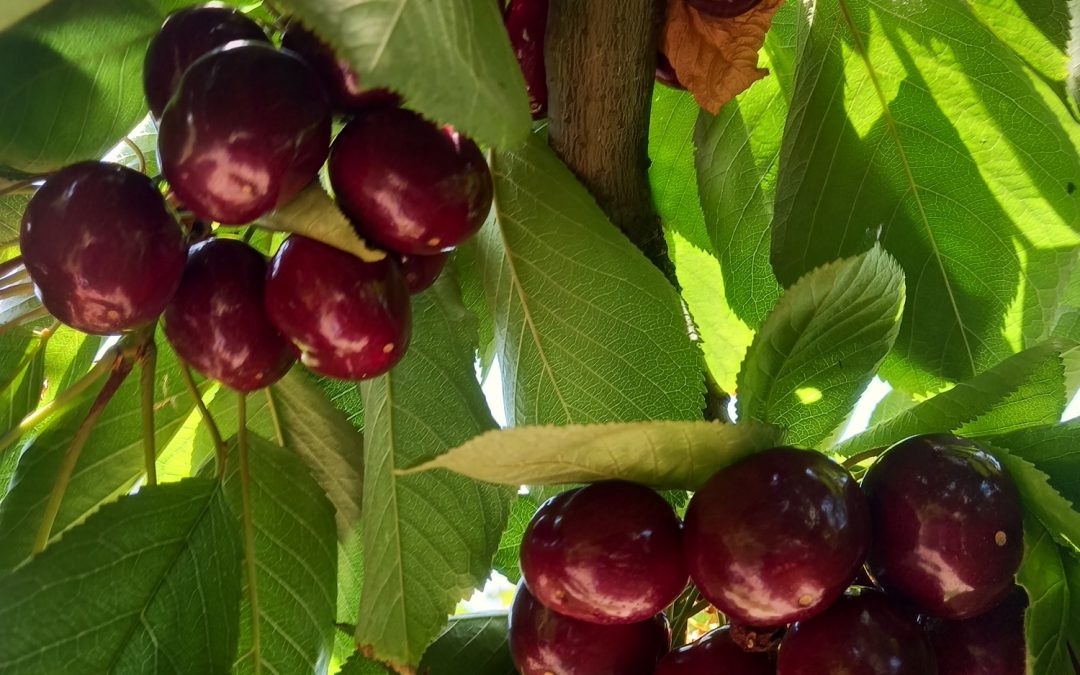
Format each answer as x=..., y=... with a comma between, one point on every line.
x=916, y=127
x=507, y=556
x=1037, y=31
x=818, y=349
x=465, y=263
x=149, y=584
x=314, y=215
x=474, y=644
x=586, y=329
x=14, y=11
x=110, y=463
x=72, y=76
x=1050, y=596
x=22, y=363
x=428, y=539
x=665, y=455
x=295, y=564
x=358, y=664
x=12, y=208
x=894, y=403
x=672, y=173
x=1055, y=449
x=1041, y=499
x=952, y=409
x=451, y=59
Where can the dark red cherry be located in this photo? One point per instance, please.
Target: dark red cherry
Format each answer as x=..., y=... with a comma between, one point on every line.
x=526, y=22
x=777, y=537
x=947, y=522
x=723, y=9
x=408, y=185
x=338, y=77
x=217, y=321
x=609, y=552
x=421, y=271
x=104, y=251
x=714, y=653
x=184, y=37
x=545, y=643
x=350, y=319
x=248, y=128
x=990, y=644
x=665, y=72
x=860, y=634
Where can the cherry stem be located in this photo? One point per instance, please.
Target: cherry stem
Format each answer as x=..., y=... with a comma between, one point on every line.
x=43, y=340
x=119, y=367
x=138, y=153
x=279, y=435
x=221, y=451
x=855, y=460
x=147, y=373
x=19, y=186
x=17, y=291
x=249, y=526
x=27, y=317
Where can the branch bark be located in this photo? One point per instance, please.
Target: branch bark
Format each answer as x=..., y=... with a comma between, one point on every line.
x=600, y=57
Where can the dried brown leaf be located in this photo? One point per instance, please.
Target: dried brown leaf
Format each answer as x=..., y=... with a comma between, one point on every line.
x=716, y=59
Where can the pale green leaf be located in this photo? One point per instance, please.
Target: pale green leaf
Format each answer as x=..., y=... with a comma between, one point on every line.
x=820, y=346
x=149, y=584
x=664, y=455
x=507, y=557
x=1055, y=449
x=451, y=59
x=474, y=644
x=1041, y=500
x=12, y=208
x=428, y=539
x=1050, y=597
x=13, y=11
x=314, y=215
x=586, y=329
x=22, y=368
x=672, y=173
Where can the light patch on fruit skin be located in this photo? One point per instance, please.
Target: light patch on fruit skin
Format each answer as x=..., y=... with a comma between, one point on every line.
x=388, y=347
x=806, y=600
x=1000, y=538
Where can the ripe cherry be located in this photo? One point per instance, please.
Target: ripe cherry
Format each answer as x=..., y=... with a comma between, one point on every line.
x=526, y=22
x=543, y=642
x=714, y=653
x=104, y=251
x=989, y=644
x=860, y=634
x=947, y=522
x=421, y=271
x=248, y=128
x=350, y=319
x=609, y=552
x=217, y=322
x=723, y=9
x=777, y=537
x=408, y=185
x=338, y=77
x=185, y=36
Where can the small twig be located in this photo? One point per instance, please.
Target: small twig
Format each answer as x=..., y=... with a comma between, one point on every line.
x=20, y=275
x=17, y=291
x=220, y=449
x=249, y=525
x=119, y=367
x=9, y=266
x=279, y=435
x=138, y=153
x=147, y=373
x=20, y=186
x=855, y=460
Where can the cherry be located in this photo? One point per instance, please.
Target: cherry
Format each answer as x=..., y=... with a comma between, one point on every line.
x=526, y=22
x=248, y=128
x=421, y=271
x=184, y=37
x=714, y=653
x=543, y=642
x=860, y=634
x=947, y=524
x=990, y=644
x=723, y=9
x=777, y=537
x=217, y=323
x=609, y=552
x=408, y=185
x=340, y=80
x=350, y=319
x=665, y=72
x=103, y=249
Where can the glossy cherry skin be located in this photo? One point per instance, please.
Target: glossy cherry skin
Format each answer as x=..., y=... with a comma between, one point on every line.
x=184, y=37
x=543, y=642
x=421, y=271
x=217, y=322
x=248, y=128
x=665, y=72
x=990, y=644
x=860, y=634
x=714, y=653
x=350, y=319
x=609, y=552
x=103, y=249
x=776, y=537
x=408, y=185
x=723, y=9
x=338, y=77
x=526, y=23
x=947, y=521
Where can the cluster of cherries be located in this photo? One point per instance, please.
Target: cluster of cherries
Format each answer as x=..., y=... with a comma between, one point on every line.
x=243, y=128
x=911, y=574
